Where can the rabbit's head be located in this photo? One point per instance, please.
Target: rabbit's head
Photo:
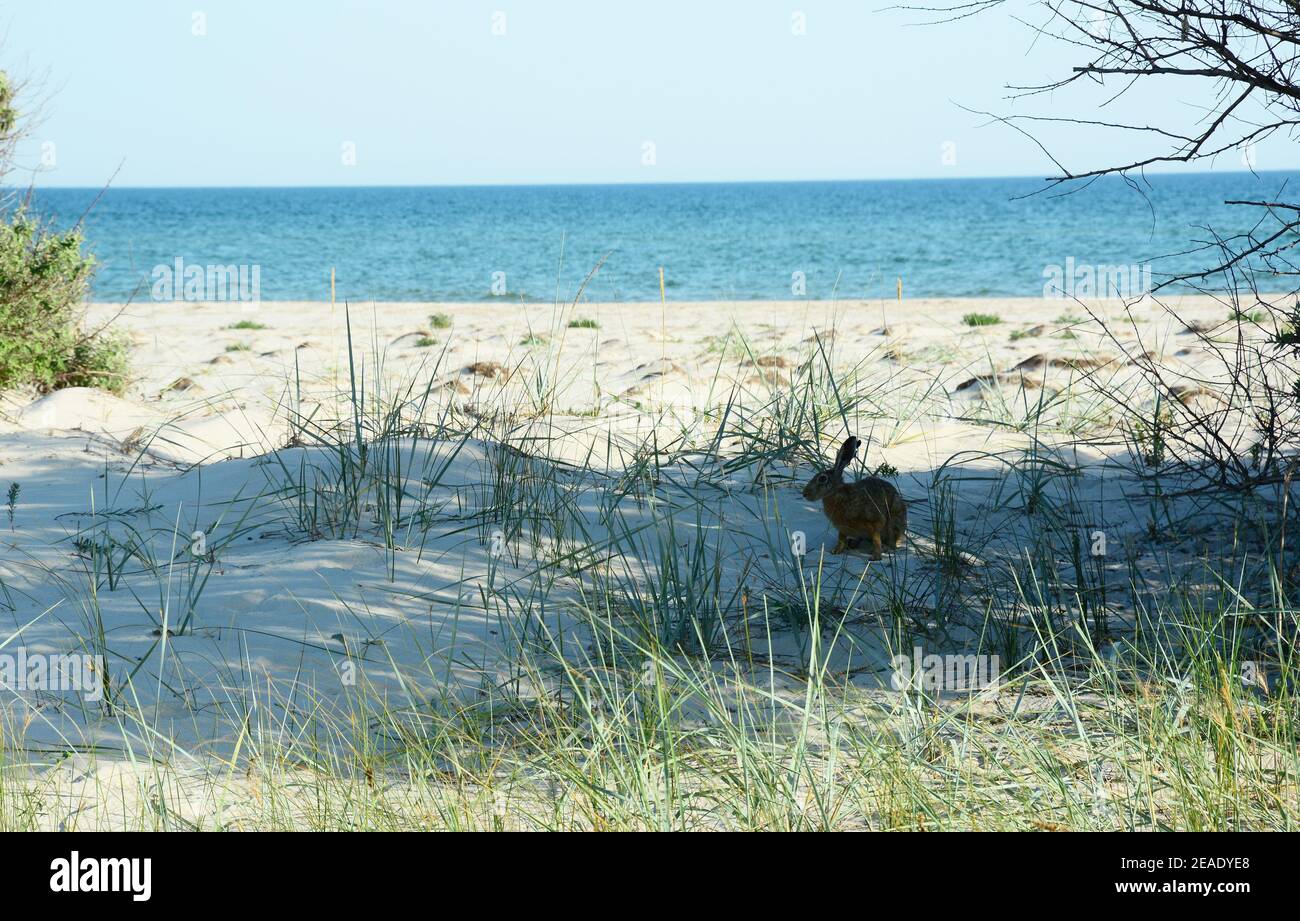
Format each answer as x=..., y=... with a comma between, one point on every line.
x=827, y=481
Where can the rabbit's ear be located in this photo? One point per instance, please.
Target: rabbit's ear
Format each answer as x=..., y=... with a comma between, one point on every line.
x=847, y=450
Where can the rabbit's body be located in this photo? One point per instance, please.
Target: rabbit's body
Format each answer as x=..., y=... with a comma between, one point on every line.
x=870, y=508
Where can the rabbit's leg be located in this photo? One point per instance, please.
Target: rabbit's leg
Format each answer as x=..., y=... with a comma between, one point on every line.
x=875, y=544
x=841, y=545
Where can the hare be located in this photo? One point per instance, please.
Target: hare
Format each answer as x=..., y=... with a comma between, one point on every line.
x=868, y=508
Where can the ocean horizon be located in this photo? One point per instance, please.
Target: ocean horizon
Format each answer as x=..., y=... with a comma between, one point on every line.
x=816, y=239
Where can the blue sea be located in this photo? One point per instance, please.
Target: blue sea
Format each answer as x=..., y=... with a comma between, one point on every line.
x=725, y=241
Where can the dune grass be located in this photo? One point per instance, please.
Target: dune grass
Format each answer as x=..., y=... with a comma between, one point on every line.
x=647, y=686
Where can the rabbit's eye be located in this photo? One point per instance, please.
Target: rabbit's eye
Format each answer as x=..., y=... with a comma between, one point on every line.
x=821, y=478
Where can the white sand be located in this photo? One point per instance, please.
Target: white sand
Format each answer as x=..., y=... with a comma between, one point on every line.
x=198, y=442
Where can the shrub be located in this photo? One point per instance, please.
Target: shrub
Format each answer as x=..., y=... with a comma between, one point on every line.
x=981, y=319
x=44, y=277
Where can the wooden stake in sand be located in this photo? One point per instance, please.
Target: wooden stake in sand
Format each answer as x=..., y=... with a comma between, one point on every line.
x=900, y=289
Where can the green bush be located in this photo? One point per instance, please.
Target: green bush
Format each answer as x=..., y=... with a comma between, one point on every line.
x=44, y=277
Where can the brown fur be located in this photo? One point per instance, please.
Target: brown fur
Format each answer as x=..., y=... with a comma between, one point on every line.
x=870, y=508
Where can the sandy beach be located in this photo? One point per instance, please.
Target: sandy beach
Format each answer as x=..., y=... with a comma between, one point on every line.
x=194, y=367
x=267, y=535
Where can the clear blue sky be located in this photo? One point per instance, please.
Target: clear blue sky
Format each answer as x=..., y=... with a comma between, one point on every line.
x=571, y=92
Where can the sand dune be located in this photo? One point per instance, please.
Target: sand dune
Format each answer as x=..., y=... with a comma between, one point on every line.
x=526, y=463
